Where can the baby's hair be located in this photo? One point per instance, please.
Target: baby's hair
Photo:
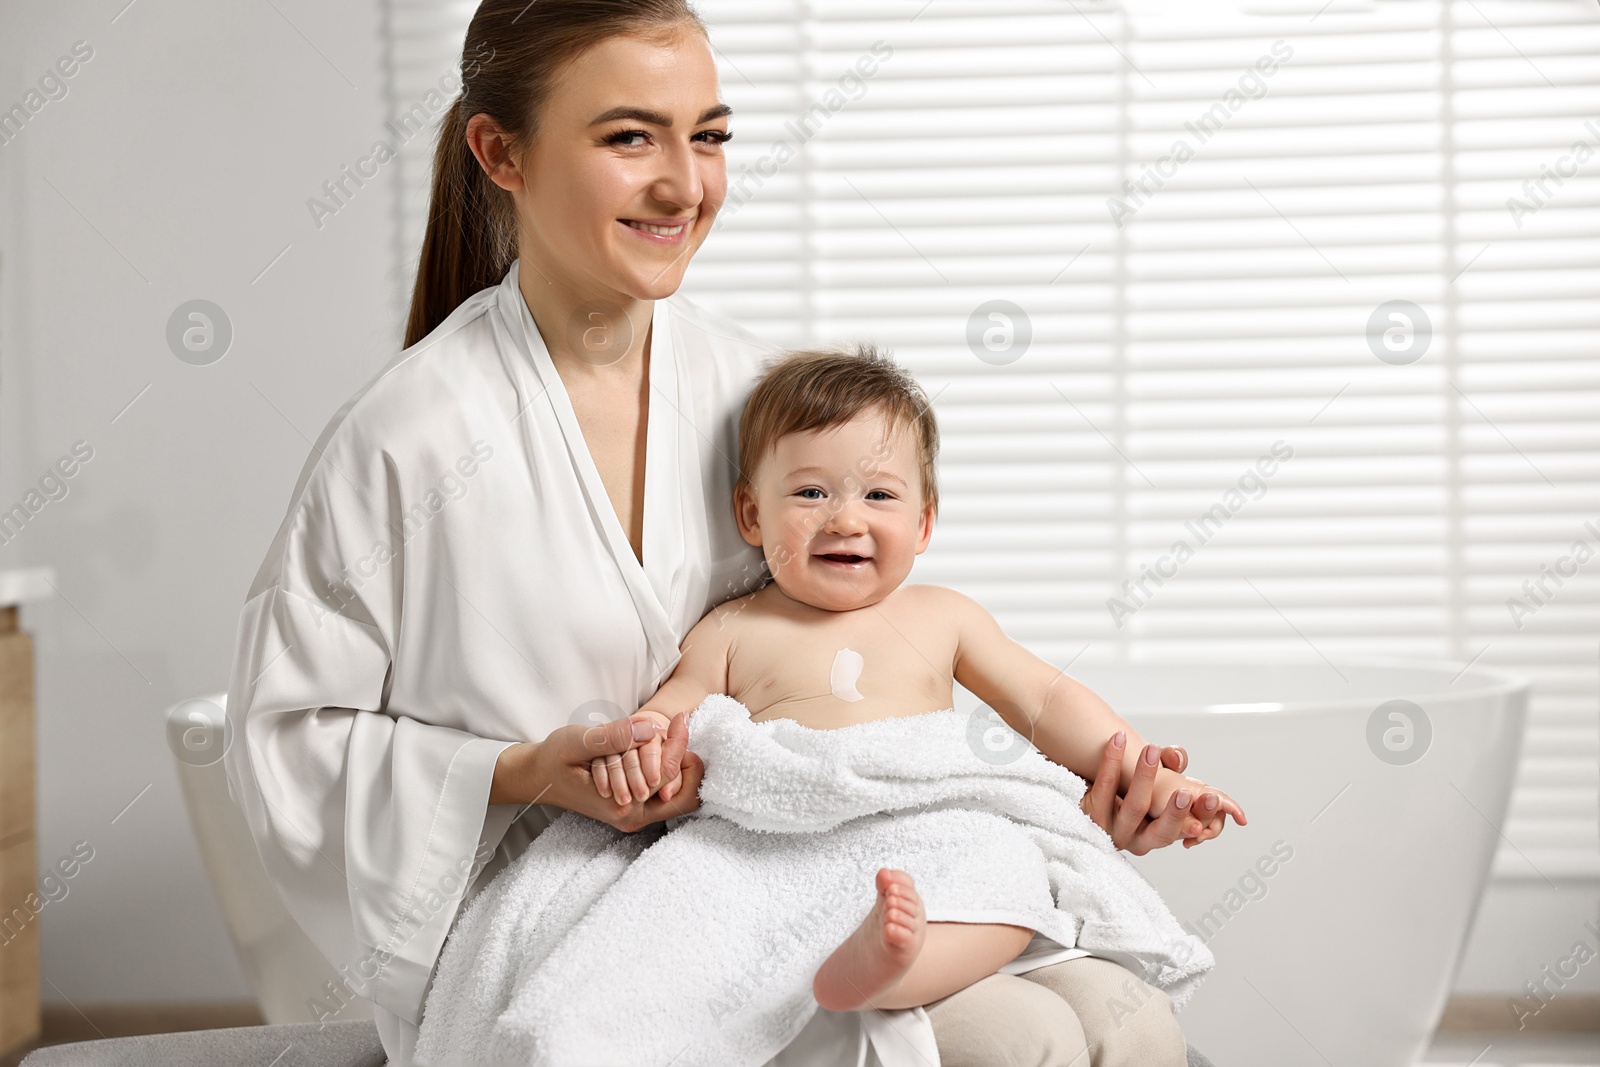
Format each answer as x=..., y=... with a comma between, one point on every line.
x=817, y=388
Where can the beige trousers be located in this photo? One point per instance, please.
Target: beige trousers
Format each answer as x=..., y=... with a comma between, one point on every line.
x=1087, y=1012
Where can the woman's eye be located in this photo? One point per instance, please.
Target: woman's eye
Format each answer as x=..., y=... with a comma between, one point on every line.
x=717, y=137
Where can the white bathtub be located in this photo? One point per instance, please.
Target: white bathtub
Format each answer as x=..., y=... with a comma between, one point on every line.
x=1345, y=953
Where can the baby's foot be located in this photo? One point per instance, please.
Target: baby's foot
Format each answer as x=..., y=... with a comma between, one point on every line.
x=877, y=955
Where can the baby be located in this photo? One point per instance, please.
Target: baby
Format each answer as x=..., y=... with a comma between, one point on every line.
x=837, y=487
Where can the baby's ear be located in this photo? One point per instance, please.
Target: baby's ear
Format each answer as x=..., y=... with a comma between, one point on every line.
x=746, y=514
x=925, y=528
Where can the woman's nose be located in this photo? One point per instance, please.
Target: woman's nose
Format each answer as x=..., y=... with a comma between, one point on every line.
x=678, y=181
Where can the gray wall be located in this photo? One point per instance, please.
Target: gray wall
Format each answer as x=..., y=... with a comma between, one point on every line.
x=177, y=166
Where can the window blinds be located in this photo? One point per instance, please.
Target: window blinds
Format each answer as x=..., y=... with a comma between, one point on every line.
x=1329, y=267
x=421, y=58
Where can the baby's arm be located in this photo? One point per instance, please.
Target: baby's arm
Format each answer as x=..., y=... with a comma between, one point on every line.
x=1063, y=718
x=702, y=669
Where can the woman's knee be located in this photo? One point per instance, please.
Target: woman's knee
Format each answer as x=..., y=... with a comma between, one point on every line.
x=1126, y=1021
x=1002, y=1021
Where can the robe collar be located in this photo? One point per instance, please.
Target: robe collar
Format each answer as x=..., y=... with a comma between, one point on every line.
x=654, y=585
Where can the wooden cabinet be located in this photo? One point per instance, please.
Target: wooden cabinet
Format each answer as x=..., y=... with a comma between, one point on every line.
x=19, y=903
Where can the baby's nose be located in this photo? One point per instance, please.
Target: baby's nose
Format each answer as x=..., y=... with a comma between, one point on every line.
x=846, y=518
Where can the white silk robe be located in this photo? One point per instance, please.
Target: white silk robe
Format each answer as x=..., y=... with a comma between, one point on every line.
x=451, y=577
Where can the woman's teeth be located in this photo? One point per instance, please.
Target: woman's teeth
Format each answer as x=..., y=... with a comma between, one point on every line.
x=659, y=231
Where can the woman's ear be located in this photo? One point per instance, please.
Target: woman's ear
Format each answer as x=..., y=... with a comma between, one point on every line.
x=746, y=514
x=492, y=148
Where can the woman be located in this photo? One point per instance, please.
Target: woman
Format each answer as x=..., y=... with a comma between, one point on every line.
x=498, y=543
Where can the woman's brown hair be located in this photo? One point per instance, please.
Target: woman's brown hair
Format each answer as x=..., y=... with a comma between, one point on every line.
x=513, y=53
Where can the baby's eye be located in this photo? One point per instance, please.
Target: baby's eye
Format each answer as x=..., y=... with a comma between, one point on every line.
x=811, y=489
x=883, y=494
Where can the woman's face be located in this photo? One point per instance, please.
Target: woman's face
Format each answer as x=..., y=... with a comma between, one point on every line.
x=631, y=137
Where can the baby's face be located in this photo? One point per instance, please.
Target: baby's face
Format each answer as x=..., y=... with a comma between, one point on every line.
x=839, y=512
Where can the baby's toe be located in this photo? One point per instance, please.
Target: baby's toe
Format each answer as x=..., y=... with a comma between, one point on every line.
x=891, y=878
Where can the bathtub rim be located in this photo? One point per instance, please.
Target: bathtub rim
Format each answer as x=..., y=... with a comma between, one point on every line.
x=1498, y=684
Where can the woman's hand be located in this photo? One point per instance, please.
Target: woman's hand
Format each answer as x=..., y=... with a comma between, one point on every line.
x=1124, y=818
x=1207, y=805
x=557, y=771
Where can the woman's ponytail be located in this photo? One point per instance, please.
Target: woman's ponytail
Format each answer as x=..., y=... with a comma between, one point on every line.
x=512, y=53
x=472, y=232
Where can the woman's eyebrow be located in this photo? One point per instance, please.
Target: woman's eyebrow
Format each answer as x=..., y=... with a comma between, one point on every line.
x=656, y=118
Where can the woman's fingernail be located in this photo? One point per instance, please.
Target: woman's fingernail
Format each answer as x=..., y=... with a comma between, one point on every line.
x=1183, y=798
x=643, y=729
x=1151, y=754
x=1119, y=739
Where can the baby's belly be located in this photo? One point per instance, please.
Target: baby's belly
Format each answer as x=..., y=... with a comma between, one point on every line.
x=828, y=712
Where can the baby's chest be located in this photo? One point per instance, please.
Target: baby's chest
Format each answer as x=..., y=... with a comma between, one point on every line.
x=835, y=669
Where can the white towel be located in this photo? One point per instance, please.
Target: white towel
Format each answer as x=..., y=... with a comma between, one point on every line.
x=696, y=946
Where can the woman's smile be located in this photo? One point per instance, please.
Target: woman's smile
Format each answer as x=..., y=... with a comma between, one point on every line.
x=659, y=231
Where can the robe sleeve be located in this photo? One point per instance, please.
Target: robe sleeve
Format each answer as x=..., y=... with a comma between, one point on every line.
x=370, y=824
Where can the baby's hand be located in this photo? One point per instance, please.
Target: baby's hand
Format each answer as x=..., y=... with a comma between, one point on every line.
x=1208, y=806
x=632, y=776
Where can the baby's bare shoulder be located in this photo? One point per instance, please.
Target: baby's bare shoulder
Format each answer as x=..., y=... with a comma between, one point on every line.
x=729, y=618
x=725, y=615
x=940, y=604
x=936, y=596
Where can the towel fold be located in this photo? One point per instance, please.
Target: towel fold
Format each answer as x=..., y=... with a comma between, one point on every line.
x=696, y=945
